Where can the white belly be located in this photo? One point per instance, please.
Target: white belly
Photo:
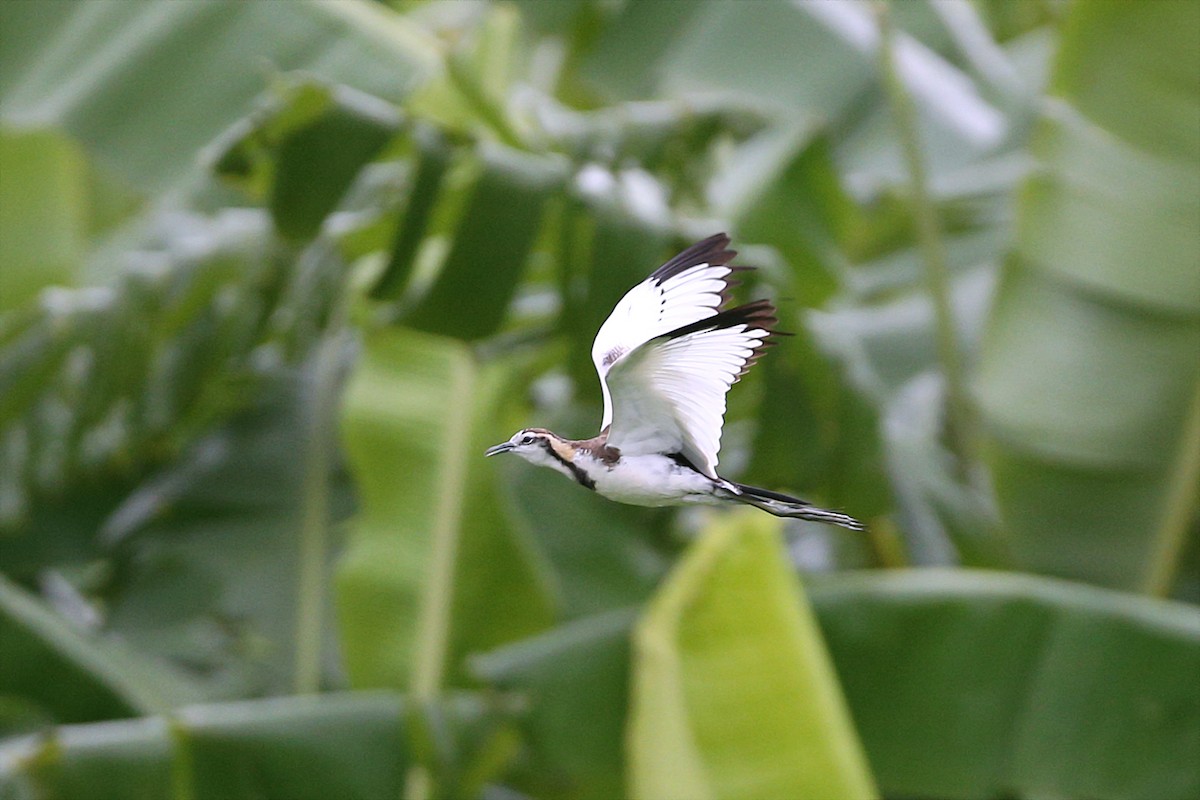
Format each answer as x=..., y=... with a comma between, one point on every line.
x=650, y=481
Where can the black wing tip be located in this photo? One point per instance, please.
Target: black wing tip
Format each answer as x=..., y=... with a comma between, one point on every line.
x=759, y=314
x=712, y=250
x=756, y=314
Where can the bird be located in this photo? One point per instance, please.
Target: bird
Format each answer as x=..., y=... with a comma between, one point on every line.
x=667, y=356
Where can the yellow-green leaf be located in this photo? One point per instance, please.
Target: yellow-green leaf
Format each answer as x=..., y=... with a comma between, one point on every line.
x=430, y=571
x=734, y=695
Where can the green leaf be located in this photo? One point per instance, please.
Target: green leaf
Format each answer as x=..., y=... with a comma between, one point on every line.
x=143, y=87
x=354, y=745
x=122, y=760
x=597, y=554
x=606, y=250
x=667, y=51
x=887, y=350
x=210, y=549
x=78, y=676
x=43, y=212
x=576, y=680
x=304, y=147
x=978, y=684
x=281, y=748
x=317, y=164
x=1072, y=212
x=781, y=187
x=495, y=233
x=1144, y=97
x=135, y=371
x=963, y=684
x=432, y=155
x=626, y=60
x=430, y=571
x=1089, y=375
x=733, y=692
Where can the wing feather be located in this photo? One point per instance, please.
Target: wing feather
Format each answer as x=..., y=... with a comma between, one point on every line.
x=690, y=287
x=668, y=394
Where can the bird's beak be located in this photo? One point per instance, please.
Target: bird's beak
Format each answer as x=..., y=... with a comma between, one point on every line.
x=503, y=447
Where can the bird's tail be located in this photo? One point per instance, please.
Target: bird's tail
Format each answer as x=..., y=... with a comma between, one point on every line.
x=782, y=505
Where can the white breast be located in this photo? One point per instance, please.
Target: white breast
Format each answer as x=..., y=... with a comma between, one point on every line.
x=649, y=480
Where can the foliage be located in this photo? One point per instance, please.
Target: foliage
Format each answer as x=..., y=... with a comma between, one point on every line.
x=733, y=693
x=272, y=277
x=1121, y=415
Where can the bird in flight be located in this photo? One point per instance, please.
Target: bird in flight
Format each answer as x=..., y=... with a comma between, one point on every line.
x=667, y=356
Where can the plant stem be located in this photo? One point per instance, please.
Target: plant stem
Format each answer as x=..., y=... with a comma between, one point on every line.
x=433, y=626
x=960, y=420
x=433, y=629
x=1181, y=501
x=314, y=521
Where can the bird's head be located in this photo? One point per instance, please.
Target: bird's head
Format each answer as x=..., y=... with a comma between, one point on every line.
x=536, y=445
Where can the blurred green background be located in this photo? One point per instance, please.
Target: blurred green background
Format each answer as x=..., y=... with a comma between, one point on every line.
x=272, y=275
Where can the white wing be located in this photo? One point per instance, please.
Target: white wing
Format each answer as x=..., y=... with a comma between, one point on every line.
x=668, y=395
x=689, y=287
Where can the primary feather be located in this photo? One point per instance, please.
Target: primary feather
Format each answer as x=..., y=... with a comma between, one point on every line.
x=689, y=287
x=668, y=355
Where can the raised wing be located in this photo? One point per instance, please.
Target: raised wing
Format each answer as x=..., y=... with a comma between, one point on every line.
x=668, y=395
x=688, y=288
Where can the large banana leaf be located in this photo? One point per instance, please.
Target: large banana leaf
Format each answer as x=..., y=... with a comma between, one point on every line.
x=489, y=246
x=971, y=684
x=577, y=680
x=303, y=147
x=210, y=550
x=962, y=684
x=64, y=674
x=132, y=363
x=349, y=745
x=733, y=693
x=1089, y=379
x=144, y=86
x=430, y=570
x=46, y=205
x=648, y=51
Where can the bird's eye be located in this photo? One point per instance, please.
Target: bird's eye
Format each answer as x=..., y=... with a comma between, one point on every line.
x=527, y=439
